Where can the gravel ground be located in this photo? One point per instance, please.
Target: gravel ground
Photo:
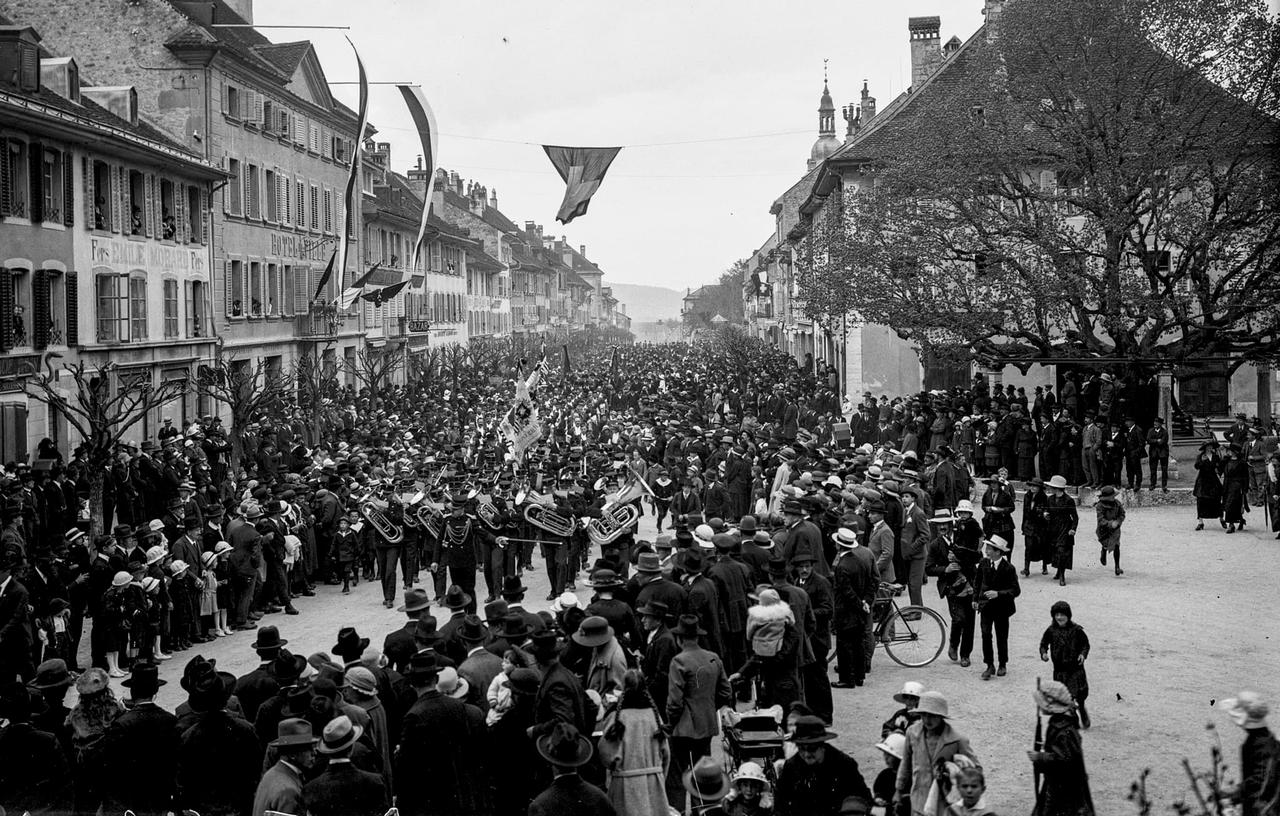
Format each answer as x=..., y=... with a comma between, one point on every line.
x=1191, y=621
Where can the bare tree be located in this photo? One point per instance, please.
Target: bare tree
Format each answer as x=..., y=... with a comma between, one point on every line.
x=315, y=379
x=373, y=369
x=251, y=391
x=100, y=410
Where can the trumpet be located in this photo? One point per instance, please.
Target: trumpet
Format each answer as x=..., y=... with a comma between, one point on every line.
x=372, y=513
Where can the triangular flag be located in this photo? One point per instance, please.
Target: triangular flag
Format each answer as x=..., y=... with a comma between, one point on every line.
x=380, y=296
x=582, y=169
x=352, y=292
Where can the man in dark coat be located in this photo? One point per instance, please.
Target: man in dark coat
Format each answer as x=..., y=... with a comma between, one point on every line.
x=35, y=777
x=704, y=600
x=569, y=795
x=659, y=647
x=219, y=760
x=260, y=684
x=435, y=770
x=854, y=585
x=697, y=687
x=732, y=579
x=141, y=750
x=481, y=666
x=800, y=535
x=819, y=778
x=995, y=590
x=561, y=697
x=15, y=624
x=651, y=585
x=822, y=600
x=398, y=646
x=523, y=773
x=343, y=789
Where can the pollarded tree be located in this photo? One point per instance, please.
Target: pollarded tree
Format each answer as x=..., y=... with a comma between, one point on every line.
x=252, y=392
x=374, y=368
x=102, y=407
x=1095, y=178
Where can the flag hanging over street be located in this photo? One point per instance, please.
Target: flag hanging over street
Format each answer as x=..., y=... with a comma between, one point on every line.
x=351, y=201
x=582, y=169
x=378, y=297
x=352, y=292
x=324, y=278
x=424, y=119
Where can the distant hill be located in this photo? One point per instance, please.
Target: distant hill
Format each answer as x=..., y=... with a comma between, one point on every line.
x=647, y=304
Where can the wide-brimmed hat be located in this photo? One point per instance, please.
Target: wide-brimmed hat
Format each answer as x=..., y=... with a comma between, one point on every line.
x=252, y=512
x=350, y=645
x=1249, y=707
x=472, y=630
x=495, y=611
x=942, y=516
x=121, y=578
x=964, y=506
x=998, y=542
x=810, y=730
x=706, y=781
x=932, y=702
x=450, y=684
x=288, y=667
x=1107, y=493
x=692, y=562
x=605, y=579
x=339, y=735
x=51, y=674
x=893, y=744
x=564, y=747
x=455, y=598
x=1053, y=697
x=144, y=680
x=1058, y=481
x=910, y=689
x=762, y=539
x=268, y=638
x=514, y=627
x=593, y=631
x=293, y=734
x=512, y=587
x=750, y=772
x=845, y=537
x=655, y=609
x=422, y=664
x=415, y=600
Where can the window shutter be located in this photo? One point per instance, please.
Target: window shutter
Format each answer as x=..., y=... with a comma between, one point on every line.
x=90, y=195
x=179, y=213
x=119, y=198
x=69, y=190
x=299, y=130
x=246, y=170
x=188, y=305
x=282, y=197
x=149, y=226
x=40, y=310
x=6, y=183
x=204, y=208
x=227, y=288
x=35, y=186
x=6, y=308
x=259, y=106
x=302, y=290
x=71, y=284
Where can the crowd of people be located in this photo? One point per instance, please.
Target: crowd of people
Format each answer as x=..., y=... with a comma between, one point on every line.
x=784, y=522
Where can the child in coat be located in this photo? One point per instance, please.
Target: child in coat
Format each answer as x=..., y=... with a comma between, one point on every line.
x=1066, y=643
x=1110, y=517
x=346, y=548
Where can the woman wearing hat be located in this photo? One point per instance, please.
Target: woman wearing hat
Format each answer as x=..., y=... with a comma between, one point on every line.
x=1064, y=790
x=1061, y=520
x=92, y=715
x=1033, y=519
x=1208, y=486
x=1110, y=516
x=818, y=777
x=1235, y=488
x=933, y=752
x=1259, y=791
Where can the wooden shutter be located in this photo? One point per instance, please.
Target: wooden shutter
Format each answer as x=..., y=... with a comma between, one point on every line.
x=68, y=189
x=259, y=107
x=6, y=183
x=71, y=284
x=6, y=308
x=301, y=290
x=246, y=170
x=35, y=185
x=90, y=196
x=299, y=130
x=40, y=309
x=150, y=226
x=116, y=200
x=179, y=213
x=282, y=196
x=227, y=288
x=204, y=208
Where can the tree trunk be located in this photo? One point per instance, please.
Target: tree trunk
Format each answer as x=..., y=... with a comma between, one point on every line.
x=97, y=475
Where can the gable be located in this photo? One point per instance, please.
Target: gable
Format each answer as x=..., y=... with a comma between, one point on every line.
x=308, y=81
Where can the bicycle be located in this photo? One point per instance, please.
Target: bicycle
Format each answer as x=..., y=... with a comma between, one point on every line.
x=912, y=636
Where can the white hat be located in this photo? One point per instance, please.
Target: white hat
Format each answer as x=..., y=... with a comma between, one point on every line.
x=909, y=689
x=932, y=702
x=845, y=537
x=178, y=567
x=156, y=553
x=1057, y=481
x=567, y=600
x=964, y=506
x=750, y=771
x=1247, y=708
x=703, y=534
x=997, y=542
x=893, y=744
x=121, y=578
x=834, y=481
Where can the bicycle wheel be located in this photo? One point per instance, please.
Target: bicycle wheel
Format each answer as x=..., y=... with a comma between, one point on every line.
x=915, y=643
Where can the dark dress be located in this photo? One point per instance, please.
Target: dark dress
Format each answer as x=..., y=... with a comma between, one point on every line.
x=1065, y=645
x=1208, y=488
x=1065, y=786
x=1235, y=486
x=1061, y=519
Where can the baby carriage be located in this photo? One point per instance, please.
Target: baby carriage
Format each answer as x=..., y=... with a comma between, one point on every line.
x=754, y=736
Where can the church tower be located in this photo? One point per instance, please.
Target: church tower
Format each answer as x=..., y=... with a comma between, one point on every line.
x=827, y=141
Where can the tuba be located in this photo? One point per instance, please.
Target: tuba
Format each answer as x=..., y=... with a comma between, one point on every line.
x=618, y=514
x=431, y=517
x=540, y=512
x=372, y=513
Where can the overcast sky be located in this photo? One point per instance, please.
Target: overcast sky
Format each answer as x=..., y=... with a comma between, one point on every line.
x=611, y=73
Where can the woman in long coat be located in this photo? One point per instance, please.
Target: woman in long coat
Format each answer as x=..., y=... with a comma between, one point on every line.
x=635, y=753
x=1065, y=789
x=1060, y=525
x=1235, y=489
x=1110, y=518
x=1208, y=487
x=1033, y=519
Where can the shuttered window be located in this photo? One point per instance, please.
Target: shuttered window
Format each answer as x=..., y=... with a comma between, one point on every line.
x=6, y=308
x=41, y=317
x=72, y=286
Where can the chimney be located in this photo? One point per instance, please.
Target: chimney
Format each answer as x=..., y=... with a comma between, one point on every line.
x=119, y=100
x=455, y=183
x=534, y=233
x=853, y=120
x=991, y=10
x=244, y=8
x=926, y=48
x=582, y=250
x=493, y=199
x=418, y=178
x=62, y=76
x=868, y=107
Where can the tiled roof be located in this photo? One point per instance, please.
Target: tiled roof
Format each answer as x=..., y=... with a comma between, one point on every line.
x=285, y=56
x=396, y=197
x=243, y=42
x=494, y=218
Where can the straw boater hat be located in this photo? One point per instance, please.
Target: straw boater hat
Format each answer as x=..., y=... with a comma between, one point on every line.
x=845, y=537
x=998, y=542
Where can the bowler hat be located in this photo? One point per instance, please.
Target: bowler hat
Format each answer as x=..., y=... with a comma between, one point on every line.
x=268, y=638
x=747, y=525
x=688, y=627
x=513, y=587
x=514, y=627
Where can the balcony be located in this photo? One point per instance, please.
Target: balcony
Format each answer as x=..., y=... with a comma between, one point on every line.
x=325, y=321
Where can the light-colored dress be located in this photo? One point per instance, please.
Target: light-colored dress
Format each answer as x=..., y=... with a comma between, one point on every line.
x=636, y=764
